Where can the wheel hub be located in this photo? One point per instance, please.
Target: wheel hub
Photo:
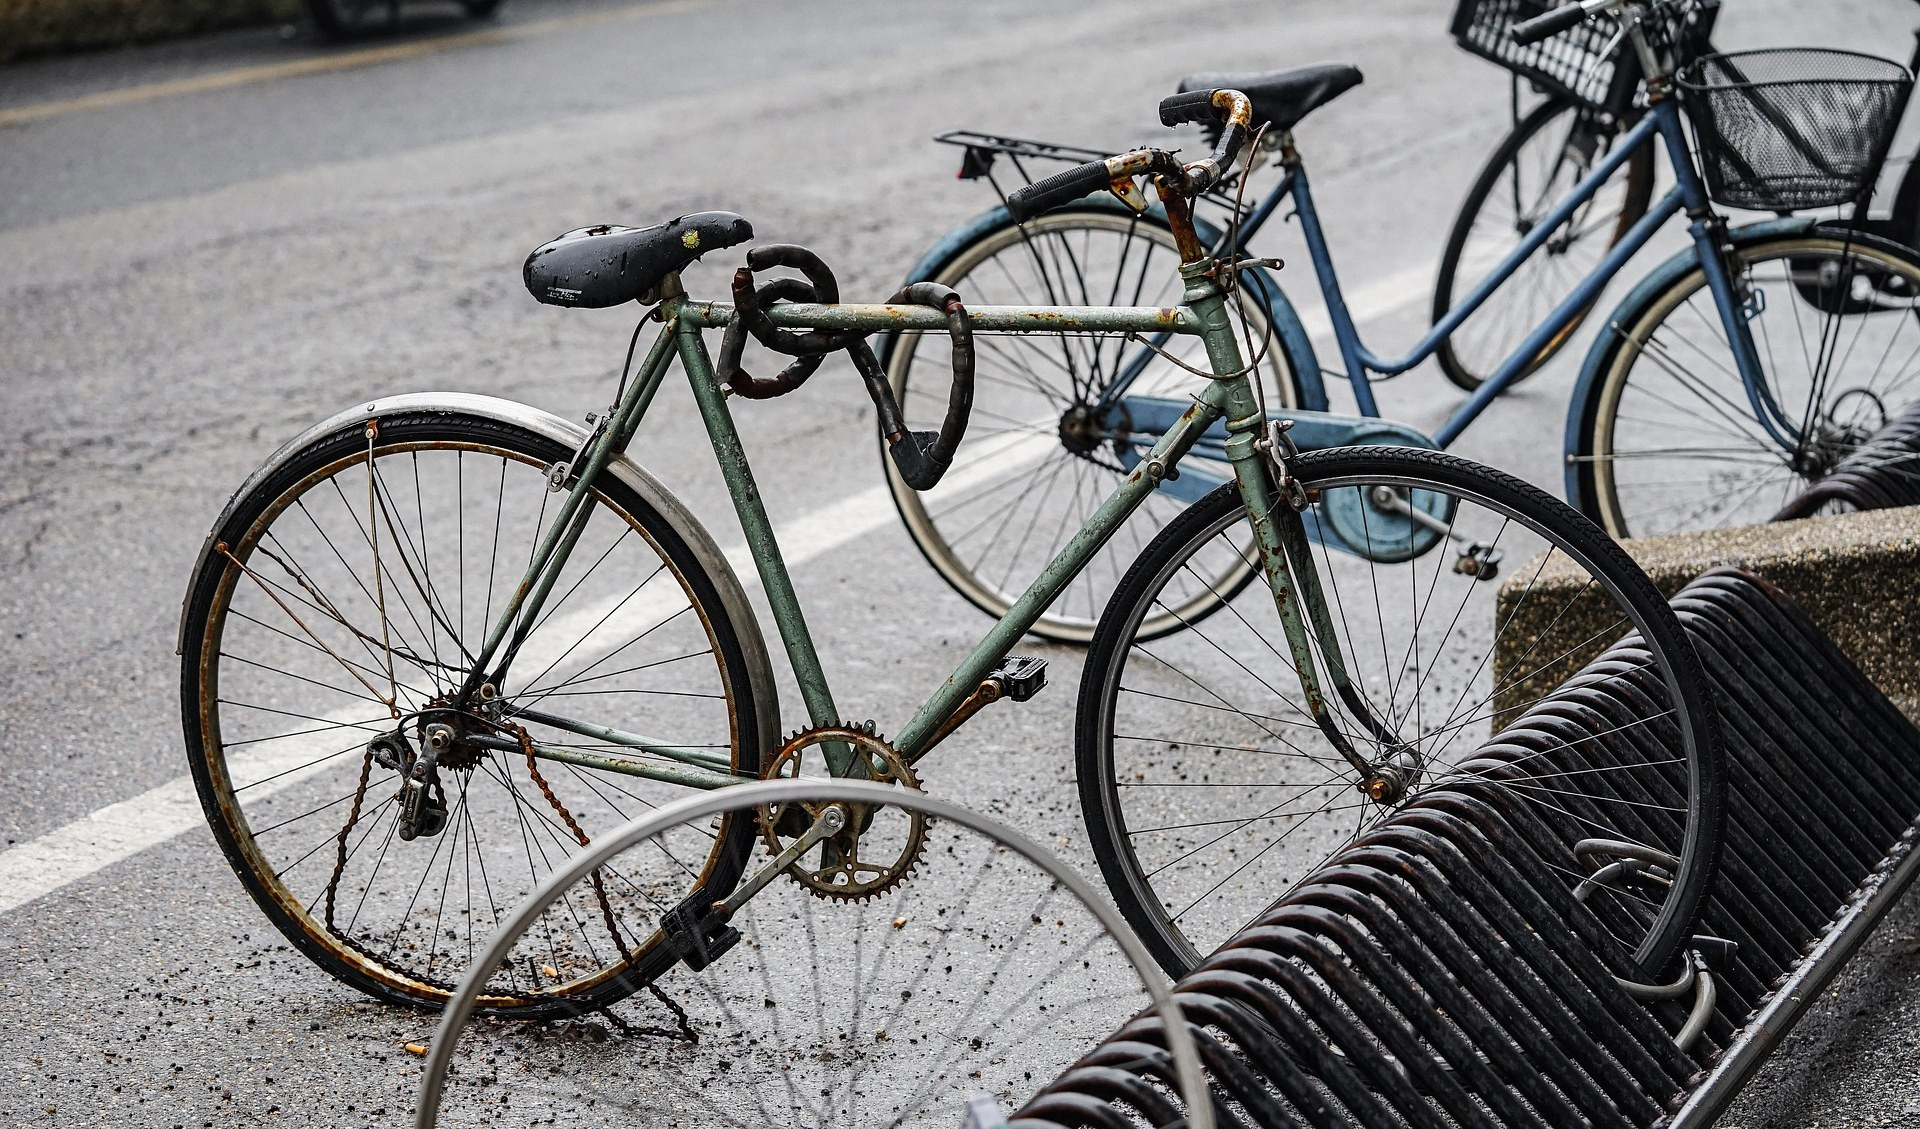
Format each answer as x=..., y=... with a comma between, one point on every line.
x=1392, y=778
x=1080, y=430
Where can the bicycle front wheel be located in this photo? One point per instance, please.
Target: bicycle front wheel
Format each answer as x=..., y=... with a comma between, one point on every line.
x=1549, y=152
x=1209, y=790
x=328, y=632
x=1668, y=436
x=1051, y=435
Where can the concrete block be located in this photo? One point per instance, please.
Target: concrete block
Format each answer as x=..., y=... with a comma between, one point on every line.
x=1856, y=575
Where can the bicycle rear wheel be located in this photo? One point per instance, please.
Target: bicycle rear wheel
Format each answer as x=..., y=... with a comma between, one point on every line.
x=1209, y=790
x=361, y=569
x=1550, y=151
x=1044, y=451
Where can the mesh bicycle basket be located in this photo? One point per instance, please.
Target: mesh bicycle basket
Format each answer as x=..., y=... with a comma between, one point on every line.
x=1590, y=64
x=1793, y=127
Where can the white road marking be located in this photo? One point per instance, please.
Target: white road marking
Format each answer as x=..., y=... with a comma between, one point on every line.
x=73, y=852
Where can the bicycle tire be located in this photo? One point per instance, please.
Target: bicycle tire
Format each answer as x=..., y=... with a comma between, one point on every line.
x=1172, y=745
x=267, y=638
x=1024, y=446
x=1501, y=169
x=1664, y=391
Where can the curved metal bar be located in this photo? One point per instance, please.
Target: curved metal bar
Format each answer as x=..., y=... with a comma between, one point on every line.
x=461, y=1005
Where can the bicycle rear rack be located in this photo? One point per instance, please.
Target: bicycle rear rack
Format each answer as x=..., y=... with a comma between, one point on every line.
x=1440, y=973
x=1881, y=473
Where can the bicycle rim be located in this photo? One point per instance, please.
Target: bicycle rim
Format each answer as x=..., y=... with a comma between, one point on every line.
x=1535, y=167
x=1209, y=790
x=978, y=979
x=289, y=660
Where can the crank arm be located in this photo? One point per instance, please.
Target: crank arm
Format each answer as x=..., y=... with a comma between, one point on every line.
x=830, y=822
x=1485, y=558
x=701, y=935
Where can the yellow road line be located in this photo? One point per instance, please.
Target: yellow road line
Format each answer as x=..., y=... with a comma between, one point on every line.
x=351, y=60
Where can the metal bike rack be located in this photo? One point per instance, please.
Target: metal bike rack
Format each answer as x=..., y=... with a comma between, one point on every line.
x=1439, y=972
x=1882, y=472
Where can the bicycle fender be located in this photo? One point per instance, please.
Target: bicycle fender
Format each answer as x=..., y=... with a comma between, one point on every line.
x=567, y=434
x=1294, y=340
x=1628, y=311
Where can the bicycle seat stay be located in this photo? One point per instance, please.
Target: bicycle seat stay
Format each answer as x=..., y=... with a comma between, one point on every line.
x=1283, y=98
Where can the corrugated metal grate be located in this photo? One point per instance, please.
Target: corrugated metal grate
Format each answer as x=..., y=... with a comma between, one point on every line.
x=1439, y=973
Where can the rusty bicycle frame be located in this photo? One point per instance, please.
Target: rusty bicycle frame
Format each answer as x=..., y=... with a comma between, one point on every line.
x=1255, y=446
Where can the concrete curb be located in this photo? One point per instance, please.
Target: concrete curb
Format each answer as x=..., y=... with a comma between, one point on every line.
x=1856, y=575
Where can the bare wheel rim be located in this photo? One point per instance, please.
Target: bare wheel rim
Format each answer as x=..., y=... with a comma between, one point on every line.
x=982, y=976
x=1675, y=443
x=1031, y=472
x=285, y=692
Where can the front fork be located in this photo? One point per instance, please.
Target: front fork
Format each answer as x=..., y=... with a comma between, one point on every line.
x=1738, y=303
x=1259, y=453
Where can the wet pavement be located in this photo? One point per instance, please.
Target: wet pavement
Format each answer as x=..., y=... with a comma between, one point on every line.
x=198, y=267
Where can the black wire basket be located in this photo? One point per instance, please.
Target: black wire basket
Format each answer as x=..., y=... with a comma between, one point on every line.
x=1794, y=127
x=1590, y=64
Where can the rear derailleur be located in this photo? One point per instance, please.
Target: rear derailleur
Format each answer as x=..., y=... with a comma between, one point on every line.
x=422, y=799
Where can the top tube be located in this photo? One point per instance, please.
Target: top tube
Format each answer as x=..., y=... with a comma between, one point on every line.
x=986, y=319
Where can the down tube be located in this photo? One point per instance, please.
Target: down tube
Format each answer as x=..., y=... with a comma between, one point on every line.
x=1132, y=491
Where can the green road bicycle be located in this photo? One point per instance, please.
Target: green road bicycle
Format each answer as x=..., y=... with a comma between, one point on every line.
x=439, y=642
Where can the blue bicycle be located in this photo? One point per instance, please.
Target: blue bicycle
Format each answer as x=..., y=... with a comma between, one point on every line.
x=1733, y=374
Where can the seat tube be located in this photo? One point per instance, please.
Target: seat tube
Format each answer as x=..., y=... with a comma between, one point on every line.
x=761, y=544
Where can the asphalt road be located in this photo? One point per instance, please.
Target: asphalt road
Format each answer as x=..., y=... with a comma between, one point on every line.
x=197, y=266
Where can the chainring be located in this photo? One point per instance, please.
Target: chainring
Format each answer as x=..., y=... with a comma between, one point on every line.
x=841, y=870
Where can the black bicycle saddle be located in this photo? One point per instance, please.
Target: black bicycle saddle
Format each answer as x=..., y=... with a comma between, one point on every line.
x=1282, y=97
x=592, y=267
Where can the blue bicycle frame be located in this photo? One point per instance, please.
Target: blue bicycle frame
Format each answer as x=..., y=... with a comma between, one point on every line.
x=1688, y=195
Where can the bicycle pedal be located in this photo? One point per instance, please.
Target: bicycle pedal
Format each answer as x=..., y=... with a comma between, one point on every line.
x=697, y=935
x=1020, y=676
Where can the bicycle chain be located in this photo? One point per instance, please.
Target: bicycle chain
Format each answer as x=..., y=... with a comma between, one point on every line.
x=681, y=1021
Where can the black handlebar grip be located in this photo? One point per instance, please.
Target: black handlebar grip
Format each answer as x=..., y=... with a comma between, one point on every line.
x=1532, y=31
x=1061, y=188
x=1189, y=107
